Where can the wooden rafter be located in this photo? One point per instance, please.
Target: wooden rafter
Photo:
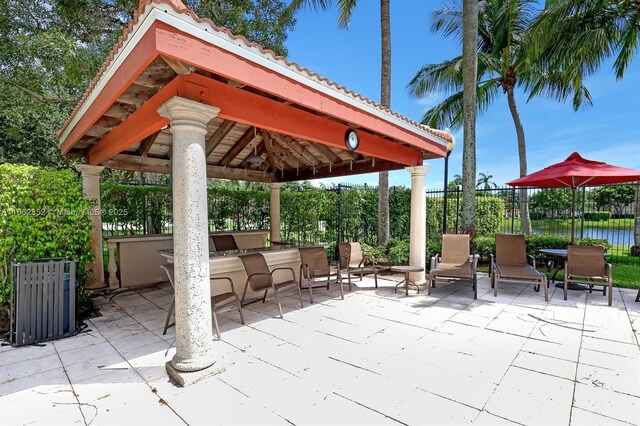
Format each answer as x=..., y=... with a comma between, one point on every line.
x=237, y=148
x=160, y=165
x=178, y=67
x=266, y=141
x=331, y=156
x=146, y=143
x=342, y=169
x=303, y=154
x=221, y=132
x=289, y=160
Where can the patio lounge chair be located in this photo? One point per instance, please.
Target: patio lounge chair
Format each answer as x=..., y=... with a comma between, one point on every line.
x=260, y=278
x=218, y=301
x=352, y=259
x=456, y=262
x=510, y=264
x=224, y=242
x=315, y=269
x=585, y=265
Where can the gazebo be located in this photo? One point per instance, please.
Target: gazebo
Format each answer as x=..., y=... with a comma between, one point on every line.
x=179, y=95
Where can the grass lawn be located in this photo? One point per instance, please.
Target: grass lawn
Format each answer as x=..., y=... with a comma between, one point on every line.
x=625, y=276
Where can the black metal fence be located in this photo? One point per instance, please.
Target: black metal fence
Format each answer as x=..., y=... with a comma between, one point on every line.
x=349, y=212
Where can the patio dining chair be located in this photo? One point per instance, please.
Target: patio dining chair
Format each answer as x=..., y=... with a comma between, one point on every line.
x=218, y=301
x=455, y=263
x=353, y=260
x=224, y=242
x=315, y=269
x=510, y=264
x=260, y=278
x=585, y=265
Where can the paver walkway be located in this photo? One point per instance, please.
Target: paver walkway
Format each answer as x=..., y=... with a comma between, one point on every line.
x=374, y=358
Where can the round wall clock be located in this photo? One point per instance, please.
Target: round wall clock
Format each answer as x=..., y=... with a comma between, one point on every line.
x=351, y=140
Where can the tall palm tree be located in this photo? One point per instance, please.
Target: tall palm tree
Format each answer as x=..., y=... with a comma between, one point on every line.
x=504, y=62
x=346, y=8
x=469, y=27
x=485, y=182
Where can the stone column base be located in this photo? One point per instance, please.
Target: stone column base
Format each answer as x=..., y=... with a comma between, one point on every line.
x=186, y=378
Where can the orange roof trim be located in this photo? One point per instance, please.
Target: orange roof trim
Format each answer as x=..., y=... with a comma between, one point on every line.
x=180, y=7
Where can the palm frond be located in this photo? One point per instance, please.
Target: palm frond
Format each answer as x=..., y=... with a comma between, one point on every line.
x=443, y=77
x=346, y=8
x=296, y=5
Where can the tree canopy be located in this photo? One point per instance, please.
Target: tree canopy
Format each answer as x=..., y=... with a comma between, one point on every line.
x=51, y=49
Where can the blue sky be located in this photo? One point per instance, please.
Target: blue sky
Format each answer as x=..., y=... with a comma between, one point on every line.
x=608, y=131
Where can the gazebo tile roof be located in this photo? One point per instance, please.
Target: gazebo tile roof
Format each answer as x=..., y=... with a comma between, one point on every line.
x=180, y=7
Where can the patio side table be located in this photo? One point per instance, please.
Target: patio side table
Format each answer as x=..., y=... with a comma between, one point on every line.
x=407, y=282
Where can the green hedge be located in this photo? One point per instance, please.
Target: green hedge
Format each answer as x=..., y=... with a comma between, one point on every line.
x=489, y=215
x=597, y=216
x=43, y=213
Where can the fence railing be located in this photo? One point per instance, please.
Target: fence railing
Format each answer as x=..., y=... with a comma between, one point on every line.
x=349, y=212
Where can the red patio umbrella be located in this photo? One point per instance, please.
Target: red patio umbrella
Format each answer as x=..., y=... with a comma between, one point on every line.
x=576, y=172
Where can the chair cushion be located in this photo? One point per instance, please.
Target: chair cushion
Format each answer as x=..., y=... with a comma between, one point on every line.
x=521, y=272
x=453, y=270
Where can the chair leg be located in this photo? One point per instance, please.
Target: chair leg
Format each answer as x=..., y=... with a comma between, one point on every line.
x=275, y=290
x=166, y=323
x=375, y=278
x=610, y=294
x=349, y=278
x=565, y=285
x=546, y=289
x=429, y=284
x=638, y=296
x=475, y=286
x=495, y=286
x=265, y=295
x=310, y=291
x=215, y=321
x=240, y=311
x=300, y=296
x=341, y=289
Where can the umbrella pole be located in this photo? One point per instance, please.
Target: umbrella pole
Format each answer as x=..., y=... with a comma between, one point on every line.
x=573, y=214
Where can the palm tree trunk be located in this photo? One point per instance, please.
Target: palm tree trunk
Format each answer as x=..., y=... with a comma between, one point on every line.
x=469, y=101
x=525, y=221
x=385, y=99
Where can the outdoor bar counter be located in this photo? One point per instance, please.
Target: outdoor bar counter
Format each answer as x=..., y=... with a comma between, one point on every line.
x=228, y=264
x=134, y=260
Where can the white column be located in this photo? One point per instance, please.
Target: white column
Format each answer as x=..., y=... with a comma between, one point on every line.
x=194, y=340
x=418, y=230
x=274, y=209
x=91, y=189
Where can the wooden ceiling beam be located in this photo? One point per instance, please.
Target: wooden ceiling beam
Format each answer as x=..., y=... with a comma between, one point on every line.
x=237, y=148
x=178, y=67
x=146, y=143
x=331, y=156
x=337, y=170
x=294, y=151
x=221, y=132
x=160, y=165
x=266, y=142
x=297, y=147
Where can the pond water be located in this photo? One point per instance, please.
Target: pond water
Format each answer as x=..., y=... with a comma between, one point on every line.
x=622, y=236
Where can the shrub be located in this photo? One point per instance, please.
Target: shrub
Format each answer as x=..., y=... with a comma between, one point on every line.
x=399, y=253
x=597, y=216
x=489, y=214
x=43, y=213
x=375, y=253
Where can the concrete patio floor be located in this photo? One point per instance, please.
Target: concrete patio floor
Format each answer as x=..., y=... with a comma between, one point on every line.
x=374, y=358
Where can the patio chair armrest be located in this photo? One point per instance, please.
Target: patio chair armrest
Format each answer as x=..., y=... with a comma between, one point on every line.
x=260, y=274
x=233, y=289
x=434, y=262
x=532, y=260
x=473, y=261
x=293, y=274
x=608, y=268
